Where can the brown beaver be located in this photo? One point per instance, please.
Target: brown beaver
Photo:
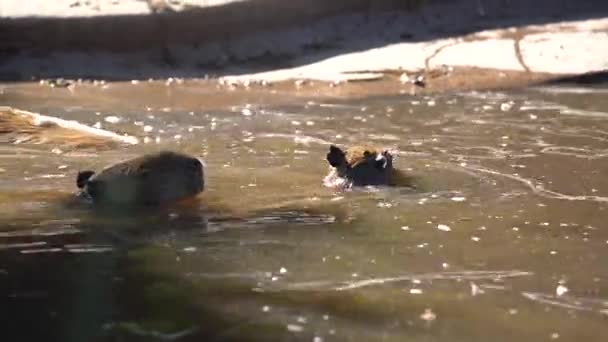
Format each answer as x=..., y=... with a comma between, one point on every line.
x=362, y=165
x=152, y=179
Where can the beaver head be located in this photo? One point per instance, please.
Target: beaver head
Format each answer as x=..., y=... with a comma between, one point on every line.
x=358, y=166
x=151, y=179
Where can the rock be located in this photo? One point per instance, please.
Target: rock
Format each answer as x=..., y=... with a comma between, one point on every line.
x=152, y=179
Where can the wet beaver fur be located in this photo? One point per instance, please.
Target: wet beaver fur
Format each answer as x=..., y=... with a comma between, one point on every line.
x=152, y=179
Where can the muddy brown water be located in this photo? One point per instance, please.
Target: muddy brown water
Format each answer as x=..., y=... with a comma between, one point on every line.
x=503, y=236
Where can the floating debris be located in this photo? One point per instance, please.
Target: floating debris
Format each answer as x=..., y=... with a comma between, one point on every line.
x=112, y=119
x=428, y=315
x=384, y=205
x=295, y=328
x=476, y=290
x=506, y=106
x=444, y=227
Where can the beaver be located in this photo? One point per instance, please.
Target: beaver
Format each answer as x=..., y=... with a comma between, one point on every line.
x=152, y=179
x=362, y=165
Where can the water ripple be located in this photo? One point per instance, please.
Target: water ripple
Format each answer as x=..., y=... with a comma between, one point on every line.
x=351, y=285
x=569, y=302
x=575, y=152
x=539, y=190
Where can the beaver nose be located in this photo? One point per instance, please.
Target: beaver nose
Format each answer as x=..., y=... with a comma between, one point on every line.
x=381, y=161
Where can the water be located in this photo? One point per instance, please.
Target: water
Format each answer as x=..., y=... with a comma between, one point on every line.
x=502, y=236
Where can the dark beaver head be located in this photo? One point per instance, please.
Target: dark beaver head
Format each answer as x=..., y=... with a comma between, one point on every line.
x=358, y=166
x=83, y=177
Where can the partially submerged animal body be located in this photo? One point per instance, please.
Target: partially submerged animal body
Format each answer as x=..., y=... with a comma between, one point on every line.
x=153, y=179
x=362, y=165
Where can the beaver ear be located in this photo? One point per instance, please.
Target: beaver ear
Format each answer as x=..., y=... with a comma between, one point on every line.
x=83, y=177
x=336, y=156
